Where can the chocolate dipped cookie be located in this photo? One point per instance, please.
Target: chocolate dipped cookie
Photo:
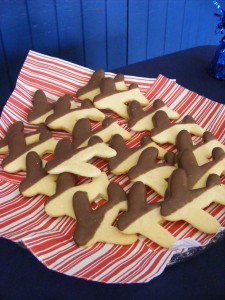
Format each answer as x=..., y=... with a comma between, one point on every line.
x=151, y=172
x=201, y=151
x=18, y=149
x=197, y=175
x=42, y=108
x=97, y=225
x=116, y=101
x=182, y=203
x=141, y=119
x=67, y=158
x=14, y=129
x=37, y=180
x=143, y=218
x=166, y=132
x=92, y=88
x=61, y=202
x=65, y=118
x=127, y=157
x=82, y=131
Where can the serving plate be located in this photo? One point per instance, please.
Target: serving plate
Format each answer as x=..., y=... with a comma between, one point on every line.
x=24, y=220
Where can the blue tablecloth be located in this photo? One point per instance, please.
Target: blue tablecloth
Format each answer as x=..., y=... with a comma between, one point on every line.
x=188, y=67
x=201, y=277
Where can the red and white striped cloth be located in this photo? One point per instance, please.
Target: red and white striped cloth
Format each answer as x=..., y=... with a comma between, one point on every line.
x=50, y=239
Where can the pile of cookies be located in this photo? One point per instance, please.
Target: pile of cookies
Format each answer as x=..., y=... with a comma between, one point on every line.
x=187, y=178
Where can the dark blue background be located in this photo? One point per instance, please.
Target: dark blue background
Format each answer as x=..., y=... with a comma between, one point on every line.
x=100, y=33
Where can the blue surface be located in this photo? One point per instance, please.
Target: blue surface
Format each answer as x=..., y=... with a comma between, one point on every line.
x=138, y=18
x=157, y=26
x=174, y=28
x=116, y=33
x=43, y=26
x=22, y=277
x=189, y=67
x=99, y=34
x=70, y=31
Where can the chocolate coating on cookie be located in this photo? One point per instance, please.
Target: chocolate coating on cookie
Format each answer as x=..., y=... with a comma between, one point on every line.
x=184, y=140
x=35, y=171
x=61, y=108
x=137, y=205
x=40, y=106
x=187, y=161
x=108, y=88
x=93, y=83
x=123, y=152
x=94, y=140
x=118, y=78
x=208, y=136
x=148, y=161
x=179, y=194
x=82, y=130
x=88, y=220
x=161, y=122
x=64, y=182
x=15, y=128
x=136, y=112
x=65, y=150
x=17, y=144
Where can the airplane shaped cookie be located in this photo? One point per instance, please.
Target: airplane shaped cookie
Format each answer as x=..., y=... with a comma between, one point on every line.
x=97, y=225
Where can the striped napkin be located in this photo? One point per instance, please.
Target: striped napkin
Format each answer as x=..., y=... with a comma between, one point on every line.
x=50, y=239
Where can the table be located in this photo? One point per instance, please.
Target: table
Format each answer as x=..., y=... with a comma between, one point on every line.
x=202, y=277
x=189, y=67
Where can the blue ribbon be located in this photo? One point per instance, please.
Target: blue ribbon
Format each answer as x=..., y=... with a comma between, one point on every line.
x=217, y=66
x=221, y=26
